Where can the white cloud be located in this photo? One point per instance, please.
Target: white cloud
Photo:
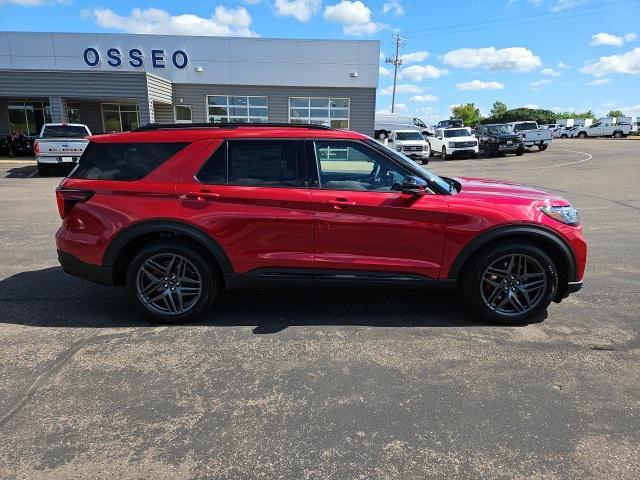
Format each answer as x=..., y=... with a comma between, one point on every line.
x=550, y=72
x=599, y=81
x=393, y=6
x=400, y=107
x=301, y=10
x=414, y=57
x=424, y=98
x=628, y=63
x=354, y=16
x=532, y=106
x=479, y=85
x=223, y=22
x=401, y=88
x=417, y=73
x=632, y=111
x=563, y=66
x=519, y=59
x=565, y=5
x=384, y=72
x=537, y=84
x=611, y=40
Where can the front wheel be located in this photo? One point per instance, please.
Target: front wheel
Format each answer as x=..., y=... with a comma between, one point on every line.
x=617, y=135
x=510, y=283
x=443, y=154
x=171, y=283
x=520, y=151
x=582, y=135
x=542, y=148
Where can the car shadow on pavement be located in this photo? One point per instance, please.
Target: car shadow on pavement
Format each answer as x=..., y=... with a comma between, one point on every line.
x=52, y=298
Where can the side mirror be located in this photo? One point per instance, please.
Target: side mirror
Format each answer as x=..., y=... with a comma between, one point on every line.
x=414, y=186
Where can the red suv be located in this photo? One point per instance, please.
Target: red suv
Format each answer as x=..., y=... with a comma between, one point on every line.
x=179, y=213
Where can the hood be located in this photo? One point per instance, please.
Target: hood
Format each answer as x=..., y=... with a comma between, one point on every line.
x=507, y=191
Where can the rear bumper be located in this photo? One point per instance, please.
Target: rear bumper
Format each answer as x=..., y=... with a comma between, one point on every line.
x=57, y=160
x=86, y=271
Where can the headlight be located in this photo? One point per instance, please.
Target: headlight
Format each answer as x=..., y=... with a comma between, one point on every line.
x=451, y=144
x=567, y=214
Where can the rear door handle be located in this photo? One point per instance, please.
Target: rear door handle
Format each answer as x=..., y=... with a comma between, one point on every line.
x=204, y=196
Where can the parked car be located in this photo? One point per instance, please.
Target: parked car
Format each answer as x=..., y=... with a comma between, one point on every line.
x=564, y=132
x=179, y=213
x=60, y=143
x=532, y=135
x=452, y=123
x=451, y=142
x=498, y=138
x=385, y=123
x=411, y=144
x=603, y=129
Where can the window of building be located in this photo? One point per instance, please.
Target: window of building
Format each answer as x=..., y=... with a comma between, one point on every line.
x=73, y=112
x=333, y=112
x=124, y=161
x=28, y=117
x=120, y=117
x=353, y=166
x=233, y=109
x=182, y=113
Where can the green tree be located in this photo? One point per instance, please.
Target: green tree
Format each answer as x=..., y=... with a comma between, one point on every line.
x=499, y=108
x=615, y=114
x=587, y=114
x=523, y=114
x=468, y=113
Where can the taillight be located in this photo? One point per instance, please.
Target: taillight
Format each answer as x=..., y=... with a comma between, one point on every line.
x=68, y=198
x=36, y=147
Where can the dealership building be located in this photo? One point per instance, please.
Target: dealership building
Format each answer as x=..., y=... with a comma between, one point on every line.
x=117, y=82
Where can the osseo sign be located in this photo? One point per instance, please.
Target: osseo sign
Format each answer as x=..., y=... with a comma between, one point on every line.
x=135, y=58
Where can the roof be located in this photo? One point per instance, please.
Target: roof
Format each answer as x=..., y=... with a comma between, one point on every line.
x=182, y=134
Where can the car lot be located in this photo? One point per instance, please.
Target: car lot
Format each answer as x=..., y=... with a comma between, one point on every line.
x=327, y=384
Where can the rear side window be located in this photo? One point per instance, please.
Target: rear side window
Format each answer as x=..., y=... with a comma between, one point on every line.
x=123, y=161
x=256, y=163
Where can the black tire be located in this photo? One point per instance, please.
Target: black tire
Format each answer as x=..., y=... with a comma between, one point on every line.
x=542, y=148
x=473, y=283
x=617, y=134
x=564, y=136
x=44, y=170
x=520, y=152
x=473, y=155
x=209, y=277
x=582, y=135
x=443, y=154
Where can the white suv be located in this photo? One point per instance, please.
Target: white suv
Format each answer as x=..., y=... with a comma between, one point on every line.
x=454, y=141
x=411, y=144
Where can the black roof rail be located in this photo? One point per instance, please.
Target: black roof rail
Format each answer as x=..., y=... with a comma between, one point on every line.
x=182, y=126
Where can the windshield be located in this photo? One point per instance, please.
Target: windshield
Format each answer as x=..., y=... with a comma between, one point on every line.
x=498, y=129
x=456, y=132
x=412, y=166
x=409, y=136
x=526, y=126
x=64, y=131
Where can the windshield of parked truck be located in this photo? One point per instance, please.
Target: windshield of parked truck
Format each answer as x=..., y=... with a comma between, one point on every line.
x=498, y=129
x=456, y=132
x=402, y=136
x=525, y=126
x=64, y=131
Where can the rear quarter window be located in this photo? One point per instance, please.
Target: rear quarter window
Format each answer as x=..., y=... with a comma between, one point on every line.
x=123, y=161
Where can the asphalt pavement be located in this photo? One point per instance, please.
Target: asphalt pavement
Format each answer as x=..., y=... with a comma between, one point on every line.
x=327, y=384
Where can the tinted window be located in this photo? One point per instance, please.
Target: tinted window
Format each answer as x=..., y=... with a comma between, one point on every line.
x=123, y=161
x=409, y=136
x=215, y=169
x=462, y=132
x=525, y=126
x=64, y=131
x=352, y=166
x=271, y=163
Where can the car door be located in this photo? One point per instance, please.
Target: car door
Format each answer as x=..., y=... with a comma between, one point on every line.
x=251, y=196
x=437, y=140
x=364, y=223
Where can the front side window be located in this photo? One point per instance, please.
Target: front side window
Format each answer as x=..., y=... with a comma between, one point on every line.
x=123, y=161
x=237, y=109
x=419, y=123
x=331, y=112
x=353, y=166
x=120, y=117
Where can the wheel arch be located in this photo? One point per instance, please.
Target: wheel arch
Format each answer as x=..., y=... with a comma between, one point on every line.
x=555, y=246
x=123, y=247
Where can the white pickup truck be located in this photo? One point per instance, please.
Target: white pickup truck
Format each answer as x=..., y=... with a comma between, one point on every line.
x=411, y=144
x=60, y=143
x=603, y=129
x=532, y=135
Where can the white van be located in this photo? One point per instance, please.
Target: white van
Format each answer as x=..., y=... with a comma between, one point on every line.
x=388, y=122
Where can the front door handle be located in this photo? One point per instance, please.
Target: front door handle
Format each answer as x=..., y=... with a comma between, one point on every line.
x=204, y=196
x=341, y=203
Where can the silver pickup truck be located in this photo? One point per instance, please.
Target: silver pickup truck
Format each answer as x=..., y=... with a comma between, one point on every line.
x=532, y=135
x=60, y=143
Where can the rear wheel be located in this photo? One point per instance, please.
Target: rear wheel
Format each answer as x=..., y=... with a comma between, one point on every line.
x=510, y=284
x=170, y=282
x=582, y=135
x=564, y=136
x=542, y=148
x=617, y=135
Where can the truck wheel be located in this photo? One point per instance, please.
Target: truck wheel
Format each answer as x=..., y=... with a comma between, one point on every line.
x=582, y=135
x=44, y=170
x=520, y=151
x=617, y=134
x=382, y=135
x=542, y=148
x=444, y=155
x=564, y=136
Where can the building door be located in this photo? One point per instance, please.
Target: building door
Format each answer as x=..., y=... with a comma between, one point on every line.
x=120, y=117
x=28, y=117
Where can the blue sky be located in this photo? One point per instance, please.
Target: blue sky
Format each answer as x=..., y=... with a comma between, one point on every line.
x=555, y=54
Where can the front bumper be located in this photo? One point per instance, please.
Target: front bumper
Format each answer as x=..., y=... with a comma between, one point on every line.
x=86, y=271
x=573, y=287
x=462, y=150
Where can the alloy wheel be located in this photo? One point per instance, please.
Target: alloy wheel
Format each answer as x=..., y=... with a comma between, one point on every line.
x=514, y=284
x=168, y=284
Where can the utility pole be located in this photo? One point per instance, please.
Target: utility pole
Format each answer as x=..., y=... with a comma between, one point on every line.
x=396, y=61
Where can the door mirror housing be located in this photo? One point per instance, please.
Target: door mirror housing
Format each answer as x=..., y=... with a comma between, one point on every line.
x=414, y=186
